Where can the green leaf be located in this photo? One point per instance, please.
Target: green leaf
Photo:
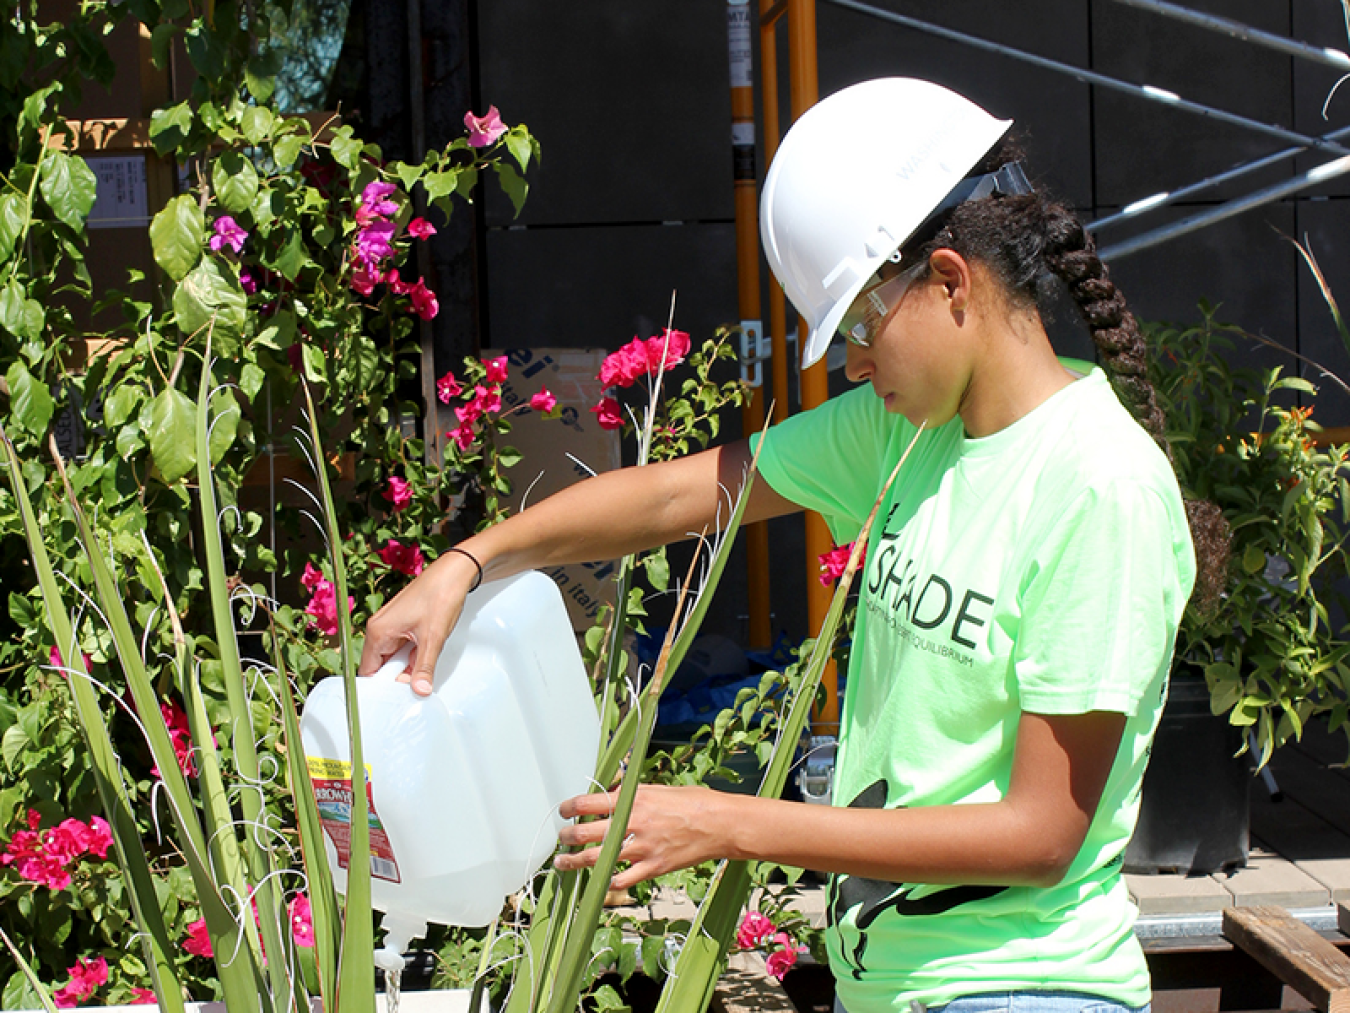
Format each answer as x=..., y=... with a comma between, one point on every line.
x=176, y=236
x=408, y=174
x=261, y=75
x=440, y=184
x=68, y=186
x=121, y=404
x=169, y=127
x=346, y=149
x=658, y=570
x=30, y=401
x=1253, y=559
x=173, y=445
x=512, y=183
x=251, y=379
x=205, y=50
x=224, y=423
x=312, y=357
x=287, y=150
x=256, y=123
x=13, y=219
x=21, y=316
x=518, y=142
x=293, y=257
x=211, y=290
x=35, y=107
x=235, y=181
x=161, y=39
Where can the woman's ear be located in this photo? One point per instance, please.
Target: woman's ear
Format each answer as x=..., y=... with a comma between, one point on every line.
x=954, y=273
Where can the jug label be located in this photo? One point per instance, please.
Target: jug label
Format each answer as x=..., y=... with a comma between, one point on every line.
x=333, y=790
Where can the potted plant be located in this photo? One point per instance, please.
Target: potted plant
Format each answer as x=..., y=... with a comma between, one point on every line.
x=1262, y=657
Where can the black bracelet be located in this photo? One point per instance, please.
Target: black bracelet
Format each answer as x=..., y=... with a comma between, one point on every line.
x=478, y=580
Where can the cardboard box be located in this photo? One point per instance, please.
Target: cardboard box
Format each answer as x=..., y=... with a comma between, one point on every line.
x=558, y=452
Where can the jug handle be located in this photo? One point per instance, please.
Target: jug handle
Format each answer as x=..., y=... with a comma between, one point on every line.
x=396, y=665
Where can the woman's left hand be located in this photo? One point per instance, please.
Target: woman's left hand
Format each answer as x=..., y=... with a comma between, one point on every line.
x=670, y=828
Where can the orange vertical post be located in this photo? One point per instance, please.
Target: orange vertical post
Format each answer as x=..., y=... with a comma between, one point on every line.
x=740, y=54
x=804, y=87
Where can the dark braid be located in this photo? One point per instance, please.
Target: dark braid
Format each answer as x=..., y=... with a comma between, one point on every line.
x=1029, y=243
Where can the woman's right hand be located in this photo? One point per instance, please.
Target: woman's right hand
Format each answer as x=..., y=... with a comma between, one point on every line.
x=423, y=613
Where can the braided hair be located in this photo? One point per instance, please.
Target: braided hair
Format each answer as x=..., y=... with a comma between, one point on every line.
x=1031, y=244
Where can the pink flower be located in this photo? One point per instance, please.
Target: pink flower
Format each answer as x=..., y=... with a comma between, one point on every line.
x=323, y=608
x=669, y=347
x=54, y=656
x=396, y=284
x=228, y=233
x=312, y=577
x=622, y=368
x=496, y=370
x=250, y=286
x=180, y=735
x=99, y=837
x=544, y=401
x=754, y=929
x=198, y=941
x=65, y=842
x=143, y=997
x=779, y=962
x=485, y=129
x=609, y=413
x=403, y=558
x=420, y=228
x=85, y=978
x=487, y=400
x=424, y=301
x=833, y=563
x=364, y=279
x=373, y=199
x=448, y=387
x=468, y=414
x=374, y=242
x=462, y=434
x=302, y=921
x=398, y=493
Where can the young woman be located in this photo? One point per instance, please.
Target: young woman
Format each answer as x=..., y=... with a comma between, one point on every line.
x=1020, y=598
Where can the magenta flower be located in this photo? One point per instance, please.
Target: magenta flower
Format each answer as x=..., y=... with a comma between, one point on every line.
x=487, y=400
x=485, y=129
x=143, y=997
x=398, y=493
x=622, y=368
x=833, y=563
x=496, y=370
x=609, y=413
x=65, y=842
x=312, y=577
x=462, y=434
x=322, y=608
x=248, y=283
x=666, y=350
x=753, y=930
x=406, y=559
x=179, y=734
x=54, y=656
x=85, y=978
x=374, y=243
x=302, y=921
x=420, y=228
x=468, y=414
x=198, y=941
x=364, y=280
x=448, y=387
x=227, y=233
x=544, y=401
x=779, y=962
x=396, y=284
x=424, y=301
x=374, y=198
x=99, y=837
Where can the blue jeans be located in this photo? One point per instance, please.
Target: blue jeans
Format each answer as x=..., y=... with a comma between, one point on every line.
x=1029, y=1002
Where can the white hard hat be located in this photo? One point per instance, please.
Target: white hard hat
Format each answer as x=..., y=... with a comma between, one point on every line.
x=854, y=178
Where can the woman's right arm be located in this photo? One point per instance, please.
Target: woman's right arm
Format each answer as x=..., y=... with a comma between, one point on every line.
x=604, y=517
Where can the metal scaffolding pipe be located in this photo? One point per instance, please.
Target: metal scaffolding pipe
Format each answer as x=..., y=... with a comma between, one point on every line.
x=1144, y=91
x=1192, y=223
x=1236, y=29
x=1158, y=200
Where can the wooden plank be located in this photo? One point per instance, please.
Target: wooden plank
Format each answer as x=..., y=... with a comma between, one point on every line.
x=1294, y=953
x=1270, y=880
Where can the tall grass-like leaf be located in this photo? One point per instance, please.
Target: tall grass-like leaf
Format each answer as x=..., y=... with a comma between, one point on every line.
x=29, y=973
x=689, y=987
x=255, y=858
x=356, y=966
x=131, y=857
x=325, y=913
x=1327, y=295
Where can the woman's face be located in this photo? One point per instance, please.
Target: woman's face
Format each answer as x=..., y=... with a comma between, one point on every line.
x=918, y=360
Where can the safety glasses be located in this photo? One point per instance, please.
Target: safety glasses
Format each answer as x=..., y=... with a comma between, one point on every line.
x=873, y=305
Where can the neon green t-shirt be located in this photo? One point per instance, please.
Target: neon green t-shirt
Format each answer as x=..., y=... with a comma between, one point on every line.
x=1043, y=568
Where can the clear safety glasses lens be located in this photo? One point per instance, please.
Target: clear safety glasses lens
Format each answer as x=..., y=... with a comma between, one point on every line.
x=873, y=306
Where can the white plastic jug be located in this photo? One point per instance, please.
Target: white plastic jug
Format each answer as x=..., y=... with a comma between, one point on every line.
x=464, y=784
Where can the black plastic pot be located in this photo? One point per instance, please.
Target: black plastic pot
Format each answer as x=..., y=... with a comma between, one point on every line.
x=1194, y=814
